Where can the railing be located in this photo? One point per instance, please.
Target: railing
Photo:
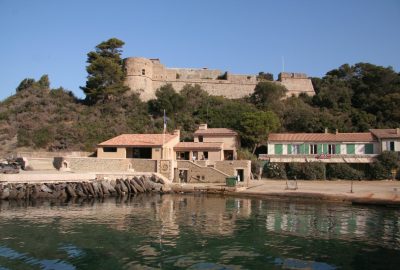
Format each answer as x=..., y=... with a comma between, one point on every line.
x=317, y=156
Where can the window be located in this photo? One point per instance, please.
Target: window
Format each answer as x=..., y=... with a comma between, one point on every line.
x=110, y=149
x=313, y=149
x=200, y=138
x=205, y=155
x=143, y=72
x=389, y=146
x=295, y=149
x=331, y=149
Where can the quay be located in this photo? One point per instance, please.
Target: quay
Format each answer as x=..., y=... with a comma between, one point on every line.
x=359, y=192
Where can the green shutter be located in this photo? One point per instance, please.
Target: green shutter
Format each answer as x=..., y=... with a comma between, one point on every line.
x=325, y=148
x=319, y=148
x=306, y=149
x=289, y=149
x=278, y=149
x=337, y=148
x=351, y=149
x=369, y=148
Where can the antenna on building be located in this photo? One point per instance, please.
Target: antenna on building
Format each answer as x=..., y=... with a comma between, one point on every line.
x=283, y=64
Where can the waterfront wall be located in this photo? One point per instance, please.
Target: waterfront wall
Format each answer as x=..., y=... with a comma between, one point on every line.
x=83, y=189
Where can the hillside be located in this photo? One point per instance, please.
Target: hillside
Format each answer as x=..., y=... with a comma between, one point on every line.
x=350, y=98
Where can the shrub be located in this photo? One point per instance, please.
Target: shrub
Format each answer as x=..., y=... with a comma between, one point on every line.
x=275, y=170
x=343, y=171
x=42, y=137
x=306, y=171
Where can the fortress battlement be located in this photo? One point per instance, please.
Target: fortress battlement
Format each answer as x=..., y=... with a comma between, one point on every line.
x=145, y=76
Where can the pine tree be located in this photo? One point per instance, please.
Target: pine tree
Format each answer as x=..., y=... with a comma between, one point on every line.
x=106, y=72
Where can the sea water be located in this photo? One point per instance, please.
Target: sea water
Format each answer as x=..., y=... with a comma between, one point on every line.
x=197, y=232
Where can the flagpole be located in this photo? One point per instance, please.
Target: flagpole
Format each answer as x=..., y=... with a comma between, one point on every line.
x=165, y=127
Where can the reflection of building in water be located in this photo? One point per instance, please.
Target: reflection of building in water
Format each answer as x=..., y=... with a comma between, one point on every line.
x=330, y=220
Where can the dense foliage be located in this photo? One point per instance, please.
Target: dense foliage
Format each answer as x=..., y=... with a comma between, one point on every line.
x=106, y=73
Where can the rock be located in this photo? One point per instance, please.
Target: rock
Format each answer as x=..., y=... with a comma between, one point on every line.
x=70, y=191
x=132, y=184
x=84, y=189
x=104, y=187
x=122, y=186
x=118, y=189
x=110, y=187
x=137, y=185
x=13, y=194
x=45, y=188
x=79, y=190
x=90, y=189
x=128, y=186
x=5, y=193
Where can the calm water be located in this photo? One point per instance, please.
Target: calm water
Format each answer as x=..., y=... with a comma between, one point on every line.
x=197, y=232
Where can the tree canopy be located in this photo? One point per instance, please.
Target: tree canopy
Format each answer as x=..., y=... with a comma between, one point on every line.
x=106, y=73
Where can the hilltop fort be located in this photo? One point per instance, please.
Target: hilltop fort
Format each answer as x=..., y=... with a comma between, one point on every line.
x=145, y=76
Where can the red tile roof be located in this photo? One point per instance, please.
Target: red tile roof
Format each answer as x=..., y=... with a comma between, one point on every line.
x=215, y=131
x=388, y=133
x=138, y=140
x=321, y=137
x=198, y=146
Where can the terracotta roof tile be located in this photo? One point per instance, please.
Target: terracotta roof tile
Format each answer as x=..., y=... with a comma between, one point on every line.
x=215, y=131
x=198, y=145
x=388, y=133
x=138, y=140
x=321, y=137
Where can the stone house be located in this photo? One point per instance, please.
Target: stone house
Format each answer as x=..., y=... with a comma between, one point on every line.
x=139, y=146
x=229, y=139
x=213, y=144
x=210, y=158
x=389, y=139
x=331, y=147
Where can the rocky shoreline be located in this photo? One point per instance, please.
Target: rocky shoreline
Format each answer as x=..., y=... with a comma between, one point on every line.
x=98, y=188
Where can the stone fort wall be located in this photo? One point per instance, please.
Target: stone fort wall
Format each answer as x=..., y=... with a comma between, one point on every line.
x=145, y=76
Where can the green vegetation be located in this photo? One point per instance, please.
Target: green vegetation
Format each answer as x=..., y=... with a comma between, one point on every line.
x=350, y=99
x=106, y=73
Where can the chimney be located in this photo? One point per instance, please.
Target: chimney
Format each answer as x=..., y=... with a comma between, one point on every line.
x=326, y=130
x=177, y=132
x=337, y=131
x=202, y=126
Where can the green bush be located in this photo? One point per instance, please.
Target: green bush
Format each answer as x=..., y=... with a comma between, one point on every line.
x=343, y=171
x=306, y=171
x=275, y=171
x=383, y=166
x=42, y=137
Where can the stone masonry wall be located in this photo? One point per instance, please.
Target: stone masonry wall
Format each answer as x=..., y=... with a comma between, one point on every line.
x=200, y=174
x=145, y=76
x=97, y=164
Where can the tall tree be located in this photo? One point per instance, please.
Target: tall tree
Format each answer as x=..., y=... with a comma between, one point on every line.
x=106, y=72
x=268, y=96
x=256, y=126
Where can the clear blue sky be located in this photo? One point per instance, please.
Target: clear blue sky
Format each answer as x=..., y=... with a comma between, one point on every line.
x=314, y=36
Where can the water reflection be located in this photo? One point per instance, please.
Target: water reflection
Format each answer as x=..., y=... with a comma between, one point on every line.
x=196, y=232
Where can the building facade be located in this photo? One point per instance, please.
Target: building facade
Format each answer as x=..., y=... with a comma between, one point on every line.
x=209, y=158
x=331, y=147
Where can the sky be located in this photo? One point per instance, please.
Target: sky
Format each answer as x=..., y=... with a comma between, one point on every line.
x=245, y=37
